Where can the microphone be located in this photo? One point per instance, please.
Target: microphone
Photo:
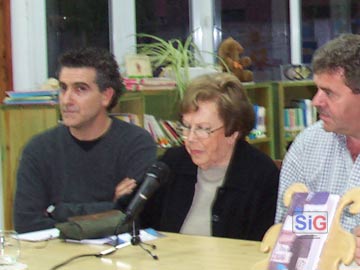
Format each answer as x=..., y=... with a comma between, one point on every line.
x=156, y=175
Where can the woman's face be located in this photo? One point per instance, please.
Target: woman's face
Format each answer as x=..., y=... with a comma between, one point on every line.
x=214, y=149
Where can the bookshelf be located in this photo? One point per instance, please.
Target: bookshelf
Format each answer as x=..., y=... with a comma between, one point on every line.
x=163, y=104
x=284, y=93
x=18, y=124
x=131, y=102
x=262, y=94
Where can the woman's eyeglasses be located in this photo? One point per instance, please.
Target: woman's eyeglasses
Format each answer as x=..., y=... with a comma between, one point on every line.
x=199, y=132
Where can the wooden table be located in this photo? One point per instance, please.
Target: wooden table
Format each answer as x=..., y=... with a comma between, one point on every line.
x=175, y=251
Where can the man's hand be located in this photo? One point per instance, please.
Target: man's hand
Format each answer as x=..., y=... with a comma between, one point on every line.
x=357, y=250
x=126, y=186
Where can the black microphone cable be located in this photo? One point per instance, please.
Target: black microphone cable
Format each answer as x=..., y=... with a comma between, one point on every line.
x=98, y=255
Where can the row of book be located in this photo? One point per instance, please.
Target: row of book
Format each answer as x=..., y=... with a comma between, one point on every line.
x=164, y=132
x=128, y=117
x=48, y=97
x=301, y=115
x=156, y=83
x=259, y=130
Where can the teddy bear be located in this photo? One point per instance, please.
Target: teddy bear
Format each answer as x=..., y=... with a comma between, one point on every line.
x=230, y=52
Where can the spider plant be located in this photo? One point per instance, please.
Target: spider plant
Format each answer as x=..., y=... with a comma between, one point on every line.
x=173, y=53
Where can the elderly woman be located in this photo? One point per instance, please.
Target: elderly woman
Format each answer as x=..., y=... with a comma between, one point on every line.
x=219, y=184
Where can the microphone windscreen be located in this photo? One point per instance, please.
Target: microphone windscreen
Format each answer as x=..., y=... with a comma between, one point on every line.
x=160, y=170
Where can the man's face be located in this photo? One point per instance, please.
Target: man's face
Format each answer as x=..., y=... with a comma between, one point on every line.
x=82, y=104
x=337, y=105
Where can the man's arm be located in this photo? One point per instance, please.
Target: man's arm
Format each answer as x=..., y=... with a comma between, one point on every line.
x=31, y=199
x=140, y=150
x=34, y=195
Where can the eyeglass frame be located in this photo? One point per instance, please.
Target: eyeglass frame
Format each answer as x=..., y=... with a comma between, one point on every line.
x=209, y=131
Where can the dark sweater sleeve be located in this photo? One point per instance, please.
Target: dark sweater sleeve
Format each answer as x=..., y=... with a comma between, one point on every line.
x=31, y=200
x=140, y=150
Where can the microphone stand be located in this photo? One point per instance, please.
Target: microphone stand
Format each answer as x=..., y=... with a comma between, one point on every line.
x=136, y=241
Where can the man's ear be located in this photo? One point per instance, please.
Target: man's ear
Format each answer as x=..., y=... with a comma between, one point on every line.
x=107, y=96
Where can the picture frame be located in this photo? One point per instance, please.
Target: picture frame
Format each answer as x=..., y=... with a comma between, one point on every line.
x=138, y=66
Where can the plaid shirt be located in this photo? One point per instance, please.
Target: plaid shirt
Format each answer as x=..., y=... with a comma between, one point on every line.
x=321, y=161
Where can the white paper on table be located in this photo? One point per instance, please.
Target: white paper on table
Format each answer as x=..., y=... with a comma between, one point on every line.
x=16, y=266
x=41, y=235
x=122, y=240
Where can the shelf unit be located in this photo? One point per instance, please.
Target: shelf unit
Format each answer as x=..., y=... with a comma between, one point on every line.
x=18, y=124
x=284, y=93
x=131, y=102
x=262, y=94
x=163, y=104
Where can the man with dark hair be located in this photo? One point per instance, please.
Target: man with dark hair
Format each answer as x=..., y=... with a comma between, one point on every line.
x=89, y=162
x=325, y=156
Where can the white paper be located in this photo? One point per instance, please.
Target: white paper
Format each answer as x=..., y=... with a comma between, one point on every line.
x=16, y=266
x=122, y=240
x=41, y=235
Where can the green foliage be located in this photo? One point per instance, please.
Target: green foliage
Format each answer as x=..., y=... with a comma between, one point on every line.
x=172, y=53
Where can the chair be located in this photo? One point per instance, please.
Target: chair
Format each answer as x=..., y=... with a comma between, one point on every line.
x=278, y=163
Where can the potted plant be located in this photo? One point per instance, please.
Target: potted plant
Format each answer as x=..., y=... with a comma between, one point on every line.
x=177, y=57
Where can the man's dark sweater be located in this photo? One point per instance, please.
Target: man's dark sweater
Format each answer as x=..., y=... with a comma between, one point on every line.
x=77, y=177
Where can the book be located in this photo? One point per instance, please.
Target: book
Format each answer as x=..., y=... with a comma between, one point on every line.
x=140, y=87
x=127, y=117
x=155, y=130
x=48, y=97
x=309, y=113
x=29, y=102
x=156, y=83
x=259, y=130
x=304, y=231
x=175, y=139
x=29, y=94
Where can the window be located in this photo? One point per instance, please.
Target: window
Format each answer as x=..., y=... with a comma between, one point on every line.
x=261, y=26
x=74, y=24
x=323, y=20
x=164, y=18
